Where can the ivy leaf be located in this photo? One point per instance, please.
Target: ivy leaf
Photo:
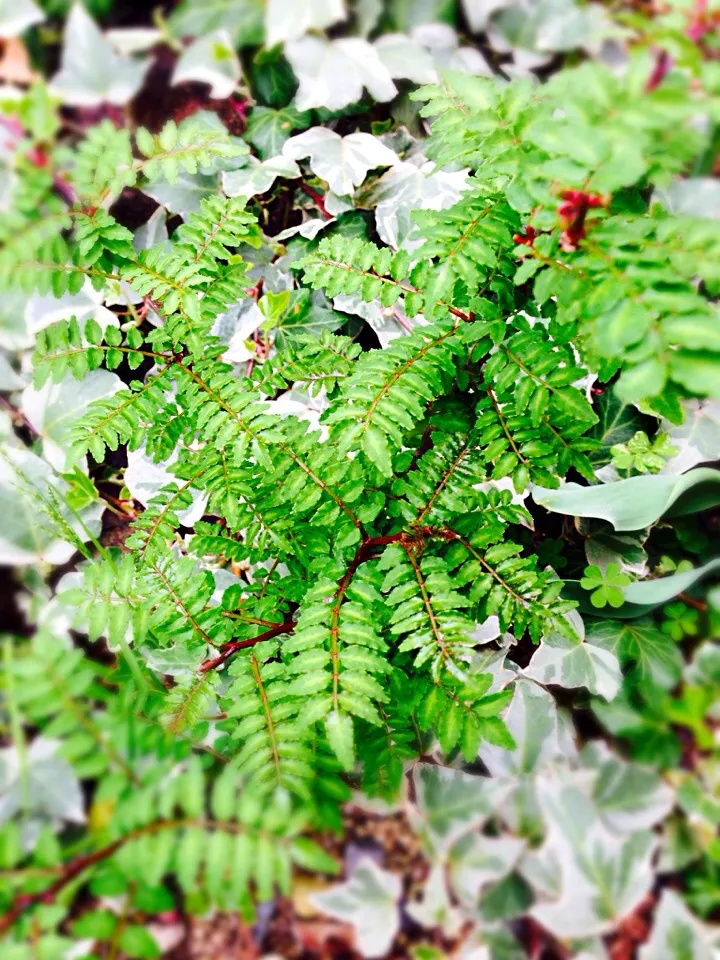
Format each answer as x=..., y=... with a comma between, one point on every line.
x=53, y=409
x=451, y=803
x=287, y=20
x=640, y=642
x=258, y=176
x=691, y=197
x=210, y=59
x=369, y=901
x=602, y=875
x=184, y=196
x=17, y=15
x=676, y=933
x=408, y=186
x=342, y=161
x=269, y=129
x=25, y=536
x=333, y=73
x=560, y=661
x=41, y=783
x=637, y=502
x=627, y=796
x=243, y=19
x=405, y=58
x=91, y=72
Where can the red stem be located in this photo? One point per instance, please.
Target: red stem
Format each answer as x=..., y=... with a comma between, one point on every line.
x=25, y=902
x=317, y=199
x=363, y=553
x=228, y=649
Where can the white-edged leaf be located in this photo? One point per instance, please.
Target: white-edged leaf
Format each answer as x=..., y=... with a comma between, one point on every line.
x=676, y=933
x=642, y=642
x=39, y=783
x=17, y=15
x=53, y=409
x=333, y=73
x=342, y=161
x=450, y=803
x=628, y=797
x=406, y=59
x=25, y=536
x=602, y=876
x=412, y=185
x=258, y=176
x=477, y=860
x=91, y=72
x=561, y=661
x=368, y=900
x=210, y=59
x=289, y=20
x=143, y=478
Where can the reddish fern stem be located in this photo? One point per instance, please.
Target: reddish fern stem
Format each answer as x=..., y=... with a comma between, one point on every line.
x=25, y=902
x=363, y=553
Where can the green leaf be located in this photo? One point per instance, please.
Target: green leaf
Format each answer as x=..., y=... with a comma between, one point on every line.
x=637, y=502
x=339, y=729
x=376, y=447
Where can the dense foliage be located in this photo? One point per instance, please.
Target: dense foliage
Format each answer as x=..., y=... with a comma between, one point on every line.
x=352, y=446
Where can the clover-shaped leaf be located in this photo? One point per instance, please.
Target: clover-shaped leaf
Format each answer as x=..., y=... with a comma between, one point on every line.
x=681, y=621
x=642, y=455
x=605, y=585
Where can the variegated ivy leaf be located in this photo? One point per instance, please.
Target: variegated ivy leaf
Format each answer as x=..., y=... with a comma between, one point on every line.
x=369, y=901
x=333, y=73
x=258, y=176
x=541, y=733
x=641, y=643
x=210, y=59
x=442, y=42
x=386, y=322
x=627, y=796
x=477, y=860
x=405, y=58
x=42, y=310
x=17, y=15
x=268, y=129
x=288, y=20
x=602, y=876
x=434, y=908
x=91, y=72
x=243, y=19
x=53, y=409
x=411, y=185
x=479, y=12
x=184, y=195
x=26, y=536
x=676, y=934
x=566, y=663
x=39, y=783
x=144, y=479
x=343, y=162
x=691, y=197
x=549, y=26
x=450, y=803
